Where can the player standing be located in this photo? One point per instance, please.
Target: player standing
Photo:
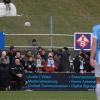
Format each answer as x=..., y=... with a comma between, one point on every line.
x=95, y=57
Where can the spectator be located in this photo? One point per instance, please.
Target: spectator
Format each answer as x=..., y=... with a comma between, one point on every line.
x=76, y=63
x=79, y=63
x=51, y=51
x=43, y=54
x=34, y=42
x=64, y=60
x=18, y=75
x=4, y=74
x=57, y=59
x=29, y=53
x=82, y=62
x=4, y=55
x=39, y=63
x=35, y=46
x=30, y=65
x=18, y=55
x=26, y=57
x=87, y=65
x=11, y=54
x=50, y=64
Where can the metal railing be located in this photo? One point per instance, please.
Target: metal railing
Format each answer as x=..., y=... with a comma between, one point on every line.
x=50, y=36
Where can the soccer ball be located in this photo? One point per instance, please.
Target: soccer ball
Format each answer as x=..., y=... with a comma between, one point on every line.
x=27, y=24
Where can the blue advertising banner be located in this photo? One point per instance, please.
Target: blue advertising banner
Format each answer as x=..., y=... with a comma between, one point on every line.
x=82, y=41
x=2, y=40
x=61, y=81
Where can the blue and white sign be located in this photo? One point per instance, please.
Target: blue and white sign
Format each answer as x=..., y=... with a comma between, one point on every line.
x=2, y=40
x=60, y=81
x=82, y=41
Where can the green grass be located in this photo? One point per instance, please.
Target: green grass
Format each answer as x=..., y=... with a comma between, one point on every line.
x=69, y=16
x=47, y=95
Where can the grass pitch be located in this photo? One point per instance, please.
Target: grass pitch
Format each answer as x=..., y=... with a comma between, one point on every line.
x=48, y=95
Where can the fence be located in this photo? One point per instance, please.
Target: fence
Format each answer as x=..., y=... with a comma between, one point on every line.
x=49, y=31
x=45, y=40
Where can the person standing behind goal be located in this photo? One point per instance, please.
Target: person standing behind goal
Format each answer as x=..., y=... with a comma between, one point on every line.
x=95, y=57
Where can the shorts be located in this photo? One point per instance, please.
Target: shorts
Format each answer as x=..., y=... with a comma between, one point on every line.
x=97, y=70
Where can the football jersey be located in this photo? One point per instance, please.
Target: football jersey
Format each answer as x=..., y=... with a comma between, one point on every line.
x=96, y=34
